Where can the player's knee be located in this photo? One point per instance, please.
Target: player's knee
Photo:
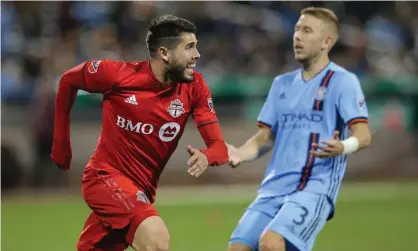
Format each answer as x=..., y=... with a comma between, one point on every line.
x=271, y=241
x=161, y=244
x=152, y=235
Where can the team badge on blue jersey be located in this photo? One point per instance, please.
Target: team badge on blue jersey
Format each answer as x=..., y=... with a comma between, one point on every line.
x=321, y=92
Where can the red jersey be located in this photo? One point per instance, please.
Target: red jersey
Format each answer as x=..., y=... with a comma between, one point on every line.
x=142, y=121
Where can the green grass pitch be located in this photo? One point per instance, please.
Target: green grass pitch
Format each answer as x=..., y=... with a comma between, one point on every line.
x=369, y=217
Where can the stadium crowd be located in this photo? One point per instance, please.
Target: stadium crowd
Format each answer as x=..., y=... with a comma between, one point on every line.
x=40, y=40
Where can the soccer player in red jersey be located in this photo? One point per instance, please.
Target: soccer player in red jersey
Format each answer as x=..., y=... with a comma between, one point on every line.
x=145, y=109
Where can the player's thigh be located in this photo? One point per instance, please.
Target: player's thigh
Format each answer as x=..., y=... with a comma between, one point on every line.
x=257, y=216
x=151, y=235
x=117, y=202
x=300, y=219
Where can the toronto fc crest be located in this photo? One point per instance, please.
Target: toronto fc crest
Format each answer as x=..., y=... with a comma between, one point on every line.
x=210, y=104
x=94, y=66
x=176, y=108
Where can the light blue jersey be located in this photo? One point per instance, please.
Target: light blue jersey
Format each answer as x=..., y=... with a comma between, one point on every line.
x=303, y=112
x=298, y=193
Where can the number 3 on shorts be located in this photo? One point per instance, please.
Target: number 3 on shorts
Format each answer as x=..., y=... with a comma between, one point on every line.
x=302, y=216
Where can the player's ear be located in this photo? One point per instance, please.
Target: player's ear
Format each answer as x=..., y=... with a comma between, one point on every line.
x=327, y=43
x=163, y=52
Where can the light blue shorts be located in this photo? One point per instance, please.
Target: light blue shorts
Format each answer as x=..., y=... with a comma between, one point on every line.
x=298, y=217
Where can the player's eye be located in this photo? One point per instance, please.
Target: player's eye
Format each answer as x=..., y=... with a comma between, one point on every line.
x=307, y=30
x=190, y=46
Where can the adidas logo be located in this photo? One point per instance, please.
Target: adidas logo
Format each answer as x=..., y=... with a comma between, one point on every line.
x=131, y=100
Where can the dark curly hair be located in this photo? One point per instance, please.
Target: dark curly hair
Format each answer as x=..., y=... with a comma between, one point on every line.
x=165, y=31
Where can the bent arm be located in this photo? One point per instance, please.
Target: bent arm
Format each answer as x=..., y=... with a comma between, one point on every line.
x=69, y=84
x=216, y=151
x=360, y=138
x=94, y=77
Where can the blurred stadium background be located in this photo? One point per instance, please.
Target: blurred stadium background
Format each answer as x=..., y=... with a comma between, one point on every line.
x=243, y=46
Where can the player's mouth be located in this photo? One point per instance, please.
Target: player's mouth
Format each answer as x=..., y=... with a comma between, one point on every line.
x=298, y=47
x=189, y=68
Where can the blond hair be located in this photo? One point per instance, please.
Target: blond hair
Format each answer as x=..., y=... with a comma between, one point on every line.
x=324, y=14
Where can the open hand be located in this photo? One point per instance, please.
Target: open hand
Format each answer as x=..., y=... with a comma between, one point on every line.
x=198, y=162
x=329, y=148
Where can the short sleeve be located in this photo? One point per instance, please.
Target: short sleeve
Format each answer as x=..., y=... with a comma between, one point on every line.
x=351, y=100
x=100, y=76
x=203, y=107
x=268, y=114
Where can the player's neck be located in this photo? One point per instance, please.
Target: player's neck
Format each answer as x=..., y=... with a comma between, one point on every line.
x=314, y=66
x=159, y=73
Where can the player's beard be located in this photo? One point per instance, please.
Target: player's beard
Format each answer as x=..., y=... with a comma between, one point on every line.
x=177, y=73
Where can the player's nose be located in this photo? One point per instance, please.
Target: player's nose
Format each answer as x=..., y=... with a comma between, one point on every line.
x=296, y=36
x=196, y=55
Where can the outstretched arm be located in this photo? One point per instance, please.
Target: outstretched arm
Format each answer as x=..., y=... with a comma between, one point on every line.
x=254, y=148
x=263, y=141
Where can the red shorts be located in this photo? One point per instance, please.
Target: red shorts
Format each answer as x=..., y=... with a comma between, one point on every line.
x=118, y=209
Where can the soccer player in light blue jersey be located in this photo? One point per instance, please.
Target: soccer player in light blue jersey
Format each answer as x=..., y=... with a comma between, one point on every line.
x=312, y=119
